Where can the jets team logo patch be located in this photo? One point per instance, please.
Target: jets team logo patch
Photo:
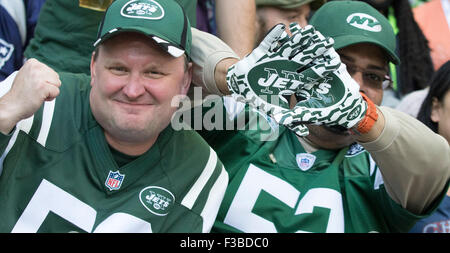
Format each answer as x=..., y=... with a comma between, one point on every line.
x=147, y=9
x=157, y=200
x=305, y=161
x=354, y=149
x=6, y=50
x=114, y=180
x=364, y=21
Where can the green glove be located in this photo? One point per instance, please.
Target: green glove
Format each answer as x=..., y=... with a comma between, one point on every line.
x=281, y=65
x=334, y=101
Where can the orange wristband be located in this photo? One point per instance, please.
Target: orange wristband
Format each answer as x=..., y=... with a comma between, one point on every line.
x=369, y=119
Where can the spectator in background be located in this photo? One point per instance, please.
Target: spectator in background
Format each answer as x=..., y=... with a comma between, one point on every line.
x=129, y=171
x=17, y=22
x=435, y=109
x=66, y=31
x=231, y=20
x=66, y=26
x=433, y=18
x=435, y=113
x=411, y=103
x=272, y=12
x=275, y=186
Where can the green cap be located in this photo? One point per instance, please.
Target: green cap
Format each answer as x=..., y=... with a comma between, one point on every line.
x=162, y=20
x=290, y=4
x=352, y=22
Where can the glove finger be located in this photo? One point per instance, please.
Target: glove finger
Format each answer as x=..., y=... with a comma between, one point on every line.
x=294, y=27
x=329, y=63
x=321, y=67
x=287, y=118
x=315, y=49
x=299, y=129
x=299, y=39
x=269, y=42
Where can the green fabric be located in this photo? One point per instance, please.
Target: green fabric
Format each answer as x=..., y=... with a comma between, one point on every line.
x=352, y=22
x=121, y=158
x=268, y=191
x=60, y=182
x=163, y=19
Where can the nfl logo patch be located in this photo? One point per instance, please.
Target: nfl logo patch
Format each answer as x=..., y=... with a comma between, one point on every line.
x=114, y=180
x=305, y=161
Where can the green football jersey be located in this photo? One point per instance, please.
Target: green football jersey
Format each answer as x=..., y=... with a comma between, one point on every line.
x=58, y=175
x=276, y=186
x=65, y=34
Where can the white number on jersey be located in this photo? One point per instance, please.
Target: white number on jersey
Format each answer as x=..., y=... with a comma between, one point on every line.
x=49, y=197
x=240, y=213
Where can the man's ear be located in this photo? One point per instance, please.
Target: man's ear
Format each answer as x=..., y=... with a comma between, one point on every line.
x=187, y=79
x=92, y=67
x=436, y=107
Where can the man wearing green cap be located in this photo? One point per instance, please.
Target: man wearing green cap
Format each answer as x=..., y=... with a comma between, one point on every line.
x=354, y=166
x=96, y=154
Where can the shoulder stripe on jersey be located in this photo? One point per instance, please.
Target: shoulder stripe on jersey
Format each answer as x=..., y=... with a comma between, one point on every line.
x=6, y=84
x=378, y=177
x=378, y=180
x=47, y=116
x=24, y=125
x=372, y=165
x=190, y=198
x=8, y=148
x=16, y=10
x=215, y=197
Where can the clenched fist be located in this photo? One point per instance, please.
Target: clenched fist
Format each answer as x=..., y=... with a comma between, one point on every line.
x=34, y=84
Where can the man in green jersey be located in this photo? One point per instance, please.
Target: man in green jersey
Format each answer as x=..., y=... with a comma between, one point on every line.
x=96, y=154
x=382, y=176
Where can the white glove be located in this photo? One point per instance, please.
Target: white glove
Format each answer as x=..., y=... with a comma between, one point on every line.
x=279, y=66
x=334, y=101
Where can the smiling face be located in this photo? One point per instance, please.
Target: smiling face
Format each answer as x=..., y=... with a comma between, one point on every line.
x=133, y=83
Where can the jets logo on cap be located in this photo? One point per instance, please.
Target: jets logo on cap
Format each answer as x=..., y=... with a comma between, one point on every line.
x=364, y=21
x=146, y=9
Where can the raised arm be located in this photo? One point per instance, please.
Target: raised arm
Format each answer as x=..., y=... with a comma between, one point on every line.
x=33, y=84
x=236, y=24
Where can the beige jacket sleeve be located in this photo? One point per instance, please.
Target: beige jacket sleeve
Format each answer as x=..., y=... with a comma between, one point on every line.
x=413, y=160
x=207, y=51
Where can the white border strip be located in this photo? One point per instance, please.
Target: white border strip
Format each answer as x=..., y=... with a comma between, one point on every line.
x=192, y=195
x=215, y=198
x=47, y=116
